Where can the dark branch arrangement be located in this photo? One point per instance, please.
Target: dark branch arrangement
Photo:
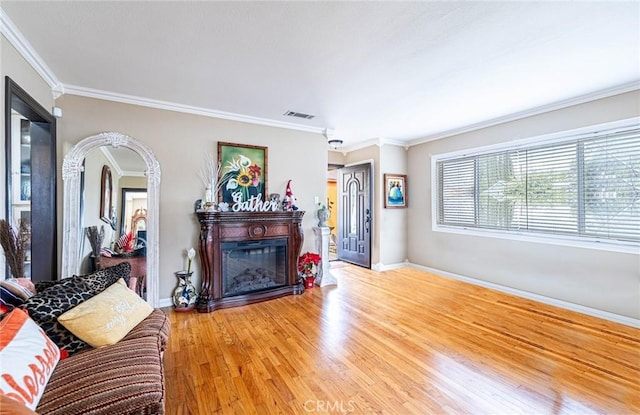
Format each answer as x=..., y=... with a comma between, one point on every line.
x=14, y=244
x=95, y=239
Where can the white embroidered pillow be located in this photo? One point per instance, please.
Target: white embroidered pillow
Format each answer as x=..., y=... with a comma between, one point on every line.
x=28, y=358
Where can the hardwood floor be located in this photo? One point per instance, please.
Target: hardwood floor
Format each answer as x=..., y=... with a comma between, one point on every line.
x=400, y=342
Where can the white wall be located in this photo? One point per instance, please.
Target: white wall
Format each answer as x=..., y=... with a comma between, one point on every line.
x=393, y=224
x=180, y=142
x=602, y=280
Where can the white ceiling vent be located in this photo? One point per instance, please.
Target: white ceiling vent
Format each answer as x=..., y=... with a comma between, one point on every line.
x=299, y=115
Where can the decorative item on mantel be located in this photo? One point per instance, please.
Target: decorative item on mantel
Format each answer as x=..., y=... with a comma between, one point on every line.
x=184, y=295
x=308, y=266
x=289, y=201
x=244, y=174
x=210, y=176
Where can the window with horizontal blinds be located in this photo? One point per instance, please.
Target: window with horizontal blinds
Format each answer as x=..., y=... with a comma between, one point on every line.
x=587, y=186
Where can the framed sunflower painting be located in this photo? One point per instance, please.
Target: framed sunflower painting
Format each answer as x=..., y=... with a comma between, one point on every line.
x=243, y=171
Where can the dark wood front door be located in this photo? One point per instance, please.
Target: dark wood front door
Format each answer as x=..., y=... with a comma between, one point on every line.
x=354, y=223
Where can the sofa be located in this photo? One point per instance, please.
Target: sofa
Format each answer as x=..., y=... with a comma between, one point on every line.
x=98, y=348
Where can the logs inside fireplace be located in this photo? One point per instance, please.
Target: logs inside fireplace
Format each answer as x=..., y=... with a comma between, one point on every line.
x=248, y=257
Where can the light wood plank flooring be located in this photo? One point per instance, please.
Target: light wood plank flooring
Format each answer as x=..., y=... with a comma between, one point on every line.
x=400, y=342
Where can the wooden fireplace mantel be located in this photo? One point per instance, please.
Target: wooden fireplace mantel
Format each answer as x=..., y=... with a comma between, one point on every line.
x=219, y=227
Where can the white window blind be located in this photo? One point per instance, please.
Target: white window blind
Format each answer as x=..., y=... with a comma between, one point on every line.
x=587, y=187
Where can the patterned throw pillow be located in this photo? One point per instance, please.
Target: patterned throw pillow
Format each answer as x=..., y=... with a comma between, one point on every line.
x=46, y=306
x=43, y=285
x=98, y=278
x=28, y=358
x=9, y=298
x=14, y=292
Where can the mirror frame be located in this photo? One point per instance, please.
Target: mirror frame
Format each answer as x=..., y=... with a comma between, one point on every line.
x=72, y=166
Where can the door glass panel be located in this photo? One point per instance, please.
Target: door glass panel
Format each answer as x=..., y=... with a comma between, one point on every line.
x=353, y=208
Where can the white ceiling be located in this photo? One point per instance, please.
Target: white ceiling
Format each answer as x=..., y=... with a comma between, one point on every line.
x=399, y=71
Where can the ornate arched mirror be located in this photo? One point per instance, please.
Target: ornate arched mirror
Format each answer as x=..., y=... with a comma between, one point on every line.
x=73, y=223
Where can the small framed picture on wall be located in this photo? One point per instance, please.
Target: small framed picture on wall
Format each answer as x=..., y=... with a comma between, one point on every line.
x=395, y=191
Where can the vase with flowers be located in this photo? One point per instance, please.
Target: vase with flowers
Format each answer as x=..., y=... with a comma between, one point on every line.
x=308, y=266
x=184, y=295
x=210, y=175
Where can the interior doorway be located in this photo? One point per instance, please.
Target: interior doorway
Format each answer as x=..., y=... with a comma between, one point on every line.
x=333, y=206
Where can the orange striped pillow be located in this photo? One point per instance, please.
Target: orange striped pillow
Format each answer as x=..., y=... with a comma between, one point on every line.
x=28, y=358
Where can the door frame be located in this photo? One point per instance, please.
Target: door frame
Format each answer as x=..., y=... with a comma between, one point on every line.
x=43, y=214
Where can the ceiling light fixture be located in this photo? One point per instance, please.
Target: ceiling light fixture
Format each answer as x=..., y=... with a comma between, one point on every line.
x=334, y=143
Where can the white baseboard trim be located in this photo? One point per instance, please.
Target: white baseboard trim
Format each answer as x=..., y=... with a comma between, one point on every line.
x=627, y=321
x=382, y=267
x=379, y=267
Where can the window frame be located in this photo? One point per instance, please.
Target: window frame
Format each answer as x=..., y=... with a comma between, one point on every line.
x=530, y=236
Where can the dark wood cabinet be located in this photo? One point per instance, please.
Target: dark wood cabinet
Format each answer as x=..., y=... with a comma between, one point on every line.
x=231, y=237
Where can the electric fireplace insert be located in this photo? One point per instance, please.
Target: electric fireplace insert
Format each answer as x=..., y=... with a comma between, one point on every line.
x=253, y=266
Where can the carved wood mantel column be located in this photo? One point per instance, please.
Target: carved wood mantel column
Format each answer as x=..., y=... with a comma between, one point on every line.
x=219, y=227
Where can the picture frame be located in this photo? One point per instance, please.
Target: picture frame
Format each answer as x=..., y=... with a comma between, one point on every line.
x=243, y=172
x=395, y=191
x=106, y=194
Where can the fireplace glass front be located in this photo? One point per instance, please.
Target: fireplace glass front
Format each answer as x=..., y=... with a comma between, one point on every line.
x=253, y=266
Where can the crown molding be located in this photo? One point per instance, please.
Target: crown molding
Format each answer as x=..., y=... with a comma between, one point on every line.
x=188, y=109
x=24, y=48
x=107, y=154
x=605, y=93
x=130, y=173
x=116, y=165
x=372, y=142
